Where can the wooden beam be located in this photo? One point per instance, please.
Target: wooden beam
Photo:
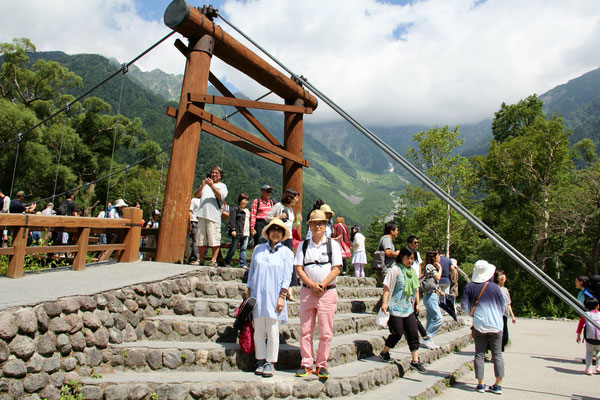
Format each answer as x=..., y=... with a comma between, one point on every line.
x=171, y=112
x=240, y=103
x=82, y=245
x=240, y=143
x=247, y=114
x=191, y=23
x=17, y=261
x=206, y=116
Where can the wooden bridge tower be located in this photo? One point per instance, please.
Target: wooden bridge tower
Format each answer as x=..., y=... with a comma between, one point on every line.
x=206, y=39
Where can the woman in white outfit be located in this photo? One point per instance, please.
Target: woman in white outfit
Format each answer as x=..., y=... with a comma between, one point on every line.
x=359, y=257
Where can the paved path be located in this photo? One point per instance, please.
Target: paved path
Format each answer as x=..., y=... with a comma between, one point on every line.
x=543, y=362
x=48, y=286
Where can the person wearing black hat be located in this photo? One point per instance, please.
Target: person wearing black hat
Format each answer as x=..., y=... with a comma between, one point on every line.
x=258, y=213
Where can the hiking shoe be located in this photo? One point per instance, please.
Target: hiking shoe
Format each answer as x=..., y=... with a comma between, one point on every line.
x=260, y=366
x=480, y=388
x=385, y=356
x=268, y=370
x=429, y=344
x=304, y=371
x=495, y=389
x=588, y=371
x=322, y=372
x=416, y=365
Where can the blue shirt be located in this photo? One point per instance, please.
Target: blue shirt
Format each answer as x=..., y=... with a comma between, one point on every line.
x=445, y=263
x=270, y=271
x=489, y=310
x=400, y=304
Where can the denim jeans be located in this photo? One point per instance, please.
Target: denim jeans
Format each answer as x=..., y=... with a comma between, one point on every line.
x=242, y=241
x=434, y=315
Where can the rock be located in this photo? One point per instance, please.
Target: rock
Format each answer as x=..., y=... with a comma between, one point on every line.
x=52, y=364
x=196, y=328
x=14, y=369
x=188, y=357
x=15, y=389
x=101, y=301
x=135, y=358
x=33, y=383
x=346, y=387
x=35, y=364
x=178, y=392
x=42, y=317
x=204, y=391
x=154, y=359
x=184, y=286
x=120, y=294
x=69, y=305
x=77, y=341
x=120, y=322
x=74, y=321
x=57, y=379
x=165, y=327
x=26, y=321
x=155, y=290
x=139, y=331
x=8, y=326
x=86, y=303
x=149, y=329
x=94, y=358
x=172, y=358
x=114, y=305
x=315, y=389
x=90, y=392
x=141, y=301
x=181, y=327
x=46, y=344
x=139, y=289
x=224, y=390
x=101, y=338
x=129, y=334
x=114, y=336
x=131, y=318
x=153, y=301
x=131, y=305
x=63, y=344
x=22, y=346
x=50, y=393
x=53, y=309
x=182, y=307
x=4, y=351
x=139, y=391
x=117, y=360
x=69, y=363
x=58, y=325
x=106, y=318
x=91, y=320
x=300, y=390
x=332, y=388
x=247, y=391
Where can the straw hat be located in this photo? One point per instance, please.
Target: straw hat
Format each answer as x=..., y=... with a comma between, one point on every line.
x=326, y=209
x=278, y=222
x=483, y=271
x=317, y=215
x=120, y=203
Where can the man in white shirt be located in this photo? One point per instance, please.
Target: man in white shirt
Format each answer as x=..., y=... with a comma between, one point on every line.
x=318, y=262
x=413, y=243
x=212, y=193
x=193, y=230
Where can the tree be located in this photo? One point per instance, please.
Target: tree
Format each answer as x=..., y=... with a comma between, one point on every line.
x=454, y=173
x=511, y=120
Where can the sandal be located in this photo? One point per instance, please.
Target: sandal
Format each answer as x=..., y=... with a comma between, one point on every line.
x=213, y=263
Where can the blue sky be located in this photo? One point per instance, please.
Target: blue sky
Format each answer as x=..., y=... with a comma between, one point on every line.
x=386, y=62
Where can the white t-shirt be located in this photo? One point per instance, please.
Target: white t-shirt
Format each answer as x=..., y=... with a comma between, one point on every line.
x=277, y=210
x=194, y=208
x=416, y=265
x=209, y=207
x=246, y=222
x=359, y=239
x=318, y=272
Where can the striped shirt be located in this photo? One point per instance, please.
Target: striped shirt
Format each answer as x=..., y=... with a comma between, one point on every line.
x=259, y=210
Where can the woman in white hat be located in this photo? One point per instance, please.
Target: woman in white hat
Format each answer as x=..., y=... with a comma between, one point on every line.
x=268, y=281
x=483, y=299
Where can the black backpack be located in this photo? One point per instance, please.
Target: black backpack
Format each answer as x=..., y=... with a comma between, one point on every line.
x=329, y=252
x=63, y=208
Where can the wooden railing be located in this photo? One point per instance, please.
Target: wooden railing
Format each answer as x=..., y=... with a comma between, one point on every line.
x=128, y=231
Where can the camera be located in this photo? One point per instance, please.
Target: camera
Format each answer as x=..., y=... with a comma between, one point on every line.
x=284, y=219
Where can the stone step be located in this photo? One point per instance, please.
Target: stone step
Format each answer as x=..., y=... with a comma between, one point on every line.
x=212, y=356
x=222, y=307
x=238, y=290
x=201, y=329
x=347, y=378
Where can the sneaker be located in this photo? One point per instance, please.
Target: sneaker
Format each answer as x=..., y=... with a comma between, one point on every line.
x=195, y=262
x=429, y=344
x=304, y=371
x=416, y=365
x=480, y=388
x=322, y=372
x=268, y=370
x=385, y=356
x=495, y=389
x=598, y=370
x=588, y=371
x=260, y=365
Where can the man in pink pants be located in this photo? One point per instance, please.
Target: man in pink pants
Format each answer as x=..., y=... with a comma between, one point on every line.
x=318, y=262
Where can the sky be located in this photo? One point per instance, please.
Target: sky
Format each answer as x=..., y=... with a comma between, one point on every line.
x=387, y=63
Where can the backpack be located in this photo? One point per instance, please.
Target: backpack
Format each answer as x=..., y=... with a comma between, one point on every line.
x=329, y=252
x=591, y=332
x=63, y=208
x=378, y=262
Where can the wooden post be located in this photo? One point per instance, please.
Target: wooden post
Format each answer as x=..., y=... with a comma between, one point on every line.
x=82, y=244
x=17, y=261
x=180, y=177
x=133, y=235
x=292, y=142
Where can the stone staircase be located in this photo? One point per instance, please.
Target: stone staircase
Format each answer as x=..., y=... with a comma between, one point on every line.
x=182, y=348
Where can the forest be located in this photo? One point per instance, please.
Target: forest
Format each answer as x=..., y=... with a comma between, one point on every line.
x=533, y=186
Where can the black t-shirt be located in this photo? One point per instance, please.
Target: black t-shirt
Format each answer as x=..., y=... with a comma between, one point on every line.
x=16, y=207
x=67, y=207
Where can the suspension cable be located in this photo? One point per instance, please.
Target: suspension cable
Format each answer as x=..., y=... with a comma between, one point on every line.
x=12, y=182
x=519, y=258
x=62, y=136
x=123, y=69
x=112, y=154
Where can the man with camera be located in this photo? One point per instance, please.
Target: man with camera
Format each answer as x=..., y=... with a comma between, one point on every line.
x=212, y=193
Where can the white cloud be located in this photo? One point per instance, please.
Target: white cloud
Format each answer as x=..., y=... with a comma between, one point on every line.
x=455, y=60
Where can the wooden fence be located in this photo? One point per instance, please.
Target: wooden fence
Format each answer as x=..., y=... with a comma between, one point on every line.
x=128, y=231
